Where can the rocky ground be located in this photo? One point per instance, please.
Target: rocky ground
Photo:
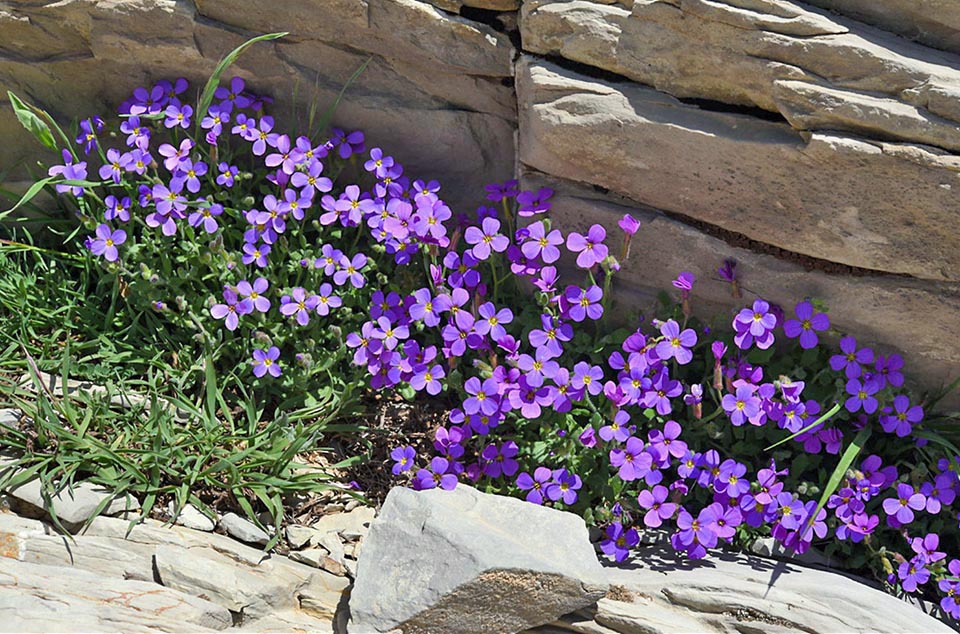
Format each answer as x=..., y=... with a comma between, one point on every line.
x=433, y=561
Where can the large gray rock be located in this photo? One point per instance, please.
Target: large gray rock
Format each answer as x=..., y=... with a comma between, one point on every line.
x=727, y=593
x=871, y=204
x=469, y=562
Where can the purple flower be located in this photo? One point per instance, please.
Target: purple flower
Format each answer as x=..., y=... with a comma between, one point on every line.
x=951, y=588
x=584, y=303
x=695, y=534
x=913, y=573
x=632, y=461
x=69, y=171
x=902, y=418
x=106, y=241
x=491, y=320
x=327, y=300
x=310, y=181
x=902, y=507
x=484, y=397
x=437, y=475
x=116, y=165
x=590, y=247
x=88, y=134
x=429, y=378
x=851, y=359
x=741, y=407
x=255, y=254
x=530, y=204
x=587, y=437
x=254, y=292
x=486, y=239
x=188, y=173
x=806, y=325
x=676, y=344
x=730, y=480
x=347, y=143
x=658, y=509
x=231, y=310
x=755, y=325
x=497, y=192
x=685, y=282
x=666, y=443
x=587, y=377
x=207, y=216
x=350, y=270
x=888, y=369
x=500, y=460
x=564, y=487
x=861, y=396
x=629, y=224
x=619, y=541
x=404, y=458
x=542, y=244
x=299, y=305
x=178, y=115
x=266, y=361
x=535, y=485
x=940, y=492
x=618, y=429
x=137, y=135
x=389, y=333
x=117, y=208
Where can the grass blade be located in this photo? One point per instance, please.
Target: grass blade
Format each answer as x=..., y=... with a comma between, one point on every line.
x=30, y=121
x=830, y=414
x=206, y=97
x=851, y=453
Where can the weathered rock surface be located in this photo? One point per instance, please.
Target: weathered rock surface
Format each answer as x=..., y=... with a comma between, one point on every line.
x=42, y=598
x=243, y=529
x=209, y=573
x=876, y=315
x=876, y=205
x=933, y=22
x=76, y=504
x=468, y=562
x=737, y=53
x=432, y=89
x=656, y=594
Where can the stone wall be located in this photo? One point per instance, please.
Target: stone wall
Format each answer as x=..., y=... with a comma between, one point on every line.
x=817, y=145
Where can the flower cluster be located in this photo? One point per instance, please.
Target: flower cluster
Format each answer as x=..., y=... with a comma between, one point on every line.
x=222, y=223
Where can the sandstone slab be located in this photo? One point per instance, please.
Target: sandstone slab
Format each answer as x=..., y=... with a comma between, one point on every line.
x=880, y=206
x=736, y=52
x=42, y=598
x=467, y=562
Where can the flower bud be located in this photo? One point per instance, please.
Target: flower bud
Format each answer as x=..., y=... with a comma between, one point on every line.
x=262, y=338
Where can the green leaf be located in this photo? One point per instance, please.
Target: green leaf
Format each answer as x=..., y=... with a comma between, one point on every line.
x=852, y=451
x=328, y=114
x=206, y=97
x=32, y=122
x=830, y=414
x=29, y=195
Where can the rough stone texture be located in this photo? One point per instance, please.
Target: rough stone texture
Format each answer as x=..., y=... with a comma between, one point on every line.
x=191, y=517
x=739, y=594
x=467, y=562
x=881, y=206
x=432, y=90
x=876, y=315
x=209, y=573
x=933, y=22
x=41, y=598
x=736, y=52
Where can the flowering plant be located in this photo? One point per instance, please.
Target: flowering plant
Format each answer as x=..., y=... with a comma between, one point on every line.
x=211, y=221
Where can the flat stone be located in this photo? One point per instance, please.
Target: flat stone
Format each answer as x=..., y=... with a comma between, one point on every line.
x=729, y=592
x=319, y=558
x=244, y=530
x=42, y=598
x=350, y=525
x=10, y=418
x=299, y=536
x=191, y=517
x=74, y=506
x=464, y=561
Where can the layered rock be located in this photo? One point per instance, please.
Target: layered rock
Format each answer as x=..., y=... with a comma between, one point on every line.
x=433, y=87
x=876, y=205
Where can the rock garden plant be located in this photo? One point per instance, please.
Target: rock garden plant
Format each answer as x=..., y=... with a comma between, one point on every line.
x=259, y=284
